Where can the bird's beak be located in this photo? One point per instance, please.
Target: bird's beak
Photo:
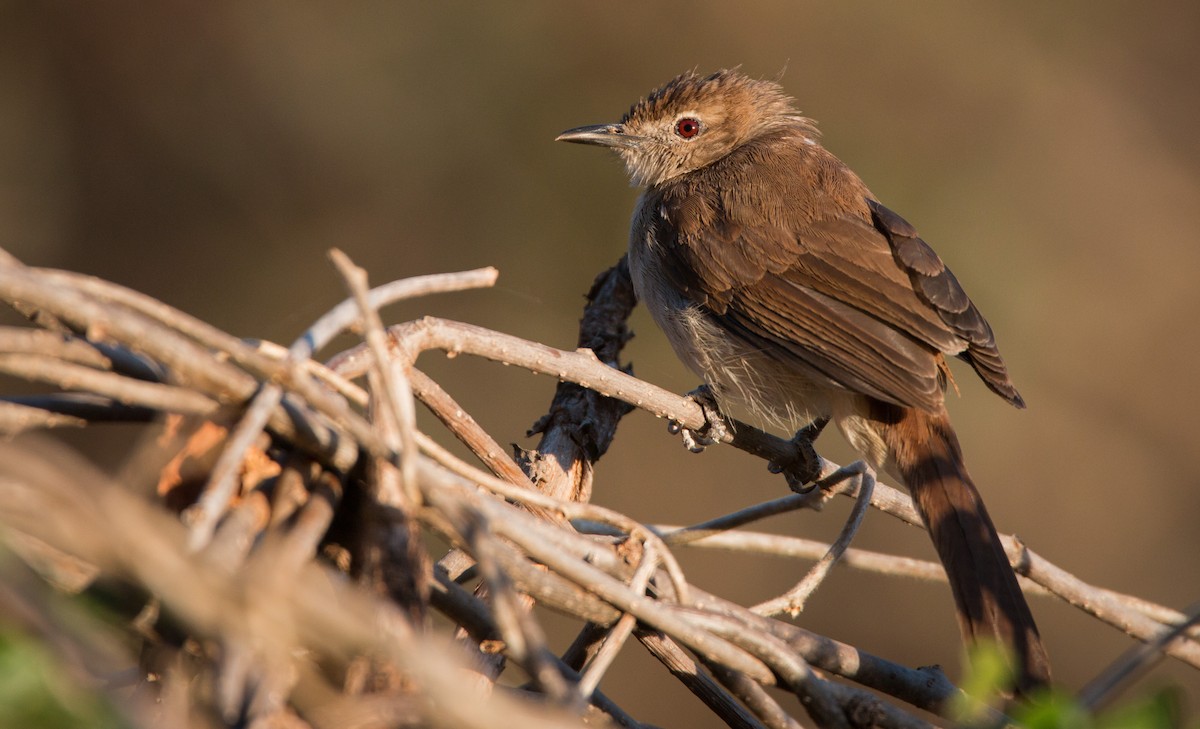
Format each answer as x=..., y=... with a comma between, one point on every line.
x=604, y=135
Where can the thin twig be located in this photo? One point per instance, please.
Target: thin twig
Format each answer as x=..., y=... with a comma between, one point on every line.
x=522, y=636
x=69, y=376
x=756, y=698
x=1103, y=688
x=16, y=418
x=395, y=393
x=617, y=636
x=793, y=672
x=690, y=674
x=793, y=601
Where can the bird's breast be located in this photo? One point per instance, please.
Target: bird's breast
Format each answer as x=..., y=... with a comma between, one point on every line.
x=749, y=383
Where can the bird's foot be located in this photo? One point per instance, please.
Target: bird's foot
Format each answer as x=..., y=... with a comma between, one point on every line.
x=715, y=427
x=803, y=466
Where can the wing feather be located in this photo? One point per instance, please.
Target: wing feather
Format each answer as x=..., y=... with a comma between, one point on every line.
x=850, y=291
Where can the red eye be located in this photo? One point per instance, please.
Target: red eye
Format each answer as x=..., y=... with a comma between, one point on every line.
x=687, y=127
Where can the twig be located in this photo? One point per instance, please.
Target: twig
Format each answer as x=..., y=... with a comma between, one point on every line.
x=600, y=583
x=125, y=536
x=460, y=423
x=706, y=529
x=69, y=376
x=754, y=696
x=1104, y=687
x=689, y=673
x=793, y=671
x=221, y=484
x=395, y=392
x=617, y=636
x=923, y=688
x=52, y=344
x=1100, y=604
x=792, y=601
x=523, y=637
x=471, y=613
x=569, y=509
x=17, y=418
x=85, y=406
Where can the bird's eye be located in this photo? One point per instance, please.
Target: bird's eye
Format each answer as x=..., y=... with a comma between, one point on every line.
x=687, y=127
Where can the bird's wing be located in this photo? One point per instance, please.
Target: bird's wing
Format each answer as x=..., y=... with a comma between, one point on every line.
x=854, y=295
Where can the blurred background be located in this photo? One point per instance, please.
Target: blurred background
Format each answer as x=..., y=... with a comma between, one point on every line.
x=209, y=154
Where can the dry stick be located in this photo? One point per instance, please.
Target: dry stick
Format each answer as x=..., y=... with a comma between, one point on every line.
x=191, y=364
x=468, y=611
x=620, y=632
x=395, y=394
x=793, y=672
x=68, y=376
x=550, y=589
x=713, y=533
x=317, y=336
x=1103, y=688
x=299, y=544
x=755, y=697
x=584, y=369
x=222, y=482
x=52, y=344
x=720, y=524
x=16, y=418
x=570, y=509
x=464, y=427
x=85, y=407
x=689, y=673
x=63, y=296
x=523, y=530
x=535, y=536
x=203, y=515
x=481, y=494
x=866, y=710
x=581, y=424
x=1101, y=604
x=793, y=600
x=868, y=561
x=522, y=636
x=797, y=548
x=396, y=550
x=926, y=688
x=126, y=536
x=461, y=424
x=264, y=366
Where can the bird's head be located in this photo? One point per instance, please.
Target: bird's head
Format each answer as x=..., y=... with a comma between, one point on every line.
x=691, y=122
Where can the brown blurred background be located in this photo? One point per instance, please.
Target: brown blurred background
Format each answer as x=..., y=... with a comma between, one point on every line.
x=210, y=153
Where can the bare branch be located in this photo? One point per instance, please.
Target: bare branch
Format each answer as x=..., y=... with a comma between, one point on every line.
x=792, y=602
x=287, y=518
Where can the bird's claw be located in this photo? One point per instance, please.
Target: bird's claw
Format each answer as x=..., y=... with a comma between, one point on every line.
x=803, y=466
x=715, y=428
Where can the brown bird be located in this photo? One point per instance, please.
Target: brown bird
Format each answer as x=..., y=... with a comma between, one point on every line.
x=797, y=297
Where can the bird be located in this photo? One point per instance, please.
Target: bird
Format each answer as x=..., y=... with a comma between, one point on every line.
x=798, y=297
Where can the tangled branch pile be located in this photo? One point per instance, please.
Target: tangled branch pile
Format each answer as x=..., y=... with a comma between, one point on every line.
x=264, y=556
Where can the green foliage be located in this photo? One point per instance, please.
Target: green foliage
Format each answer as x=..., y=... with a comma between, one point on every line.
x=1160, y=709
x=37, y=693
x=989, y=678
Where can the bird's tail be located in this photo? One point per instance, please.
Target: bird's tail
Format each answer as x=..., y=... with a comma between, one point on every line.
x=927, y=456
